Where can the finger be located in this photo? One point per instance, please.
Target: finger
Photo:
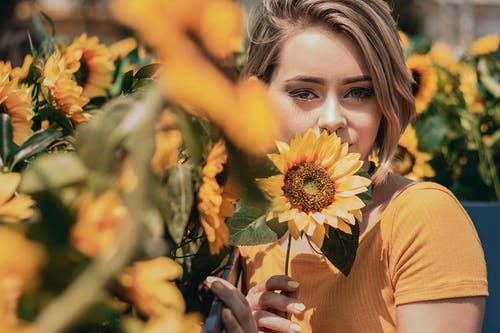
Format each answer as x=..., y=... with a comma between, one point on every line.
x=276, y=282
x=270, y=299
x=211, y=279
x=268, y=320
x=231, y=325
x=234, y=300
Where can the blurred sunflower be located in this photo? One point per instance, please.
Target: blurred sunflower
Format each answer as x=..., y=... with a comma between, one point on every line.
x=63, y=92
x=92, y=65
x=13, y=208
x=470, y=90
x=22, y=72
x=484, y=45
x=317, y=185
x=441, y=55
x=426, y=81
x=175, y=322
x=168, y=141
x=18, y=273
x=404, y=40
x=150, y=288
x=5, y=67
x=15, y=101
x=409, y=161
x=99, y=225
x=212, y=216
x=122, y=48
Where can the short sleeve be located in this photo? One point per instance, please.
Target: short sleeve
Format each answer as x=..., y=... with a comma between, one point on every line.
x=434, y=251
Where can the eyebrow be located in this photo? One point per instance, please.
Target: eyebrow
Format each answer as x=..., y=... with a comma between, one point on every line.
x=314, y=79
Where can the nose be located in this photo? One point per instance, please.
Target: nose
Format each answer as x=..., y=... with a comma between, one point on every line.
x=331, y=118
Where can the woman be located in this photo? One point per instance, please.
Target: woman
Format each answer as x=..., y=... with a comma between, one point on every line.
x=337, y=66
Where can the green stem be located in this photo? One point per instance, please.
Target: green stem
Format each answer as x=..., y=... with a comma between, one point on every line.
x=287, y=261
x=287, y=258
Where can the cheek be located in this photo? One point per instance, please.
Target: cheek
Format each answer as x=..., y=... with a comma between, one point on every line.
x=291, y=120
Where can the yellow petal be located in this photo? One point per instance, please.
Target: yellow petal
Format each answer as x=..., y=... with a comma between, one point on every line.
x=318, y=236
x=17, y=209
x=8, y=185
x=353, y=182
x=346, y=166
x=272, y=185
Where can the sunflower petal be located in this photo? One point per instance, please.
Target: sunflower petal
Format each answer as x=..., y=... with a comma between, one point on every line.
x=318, y=236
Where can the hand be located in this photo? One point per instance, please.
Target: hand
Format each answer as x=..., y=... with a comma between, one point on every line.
x=256, y=310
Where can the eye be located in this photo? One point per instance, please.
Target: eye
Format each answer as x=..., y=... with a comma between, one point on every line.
x=359, y=93
x=302, y=94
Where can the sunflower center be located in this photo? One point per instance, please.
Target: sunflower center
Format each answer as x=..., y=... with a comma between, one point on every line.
x=404, y=161
x=82, y=75
x=415, y=87
x=308, y=187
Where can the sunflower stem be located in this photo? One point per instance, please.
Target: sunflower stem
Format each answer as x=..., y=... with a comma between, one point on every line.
x=287, y=258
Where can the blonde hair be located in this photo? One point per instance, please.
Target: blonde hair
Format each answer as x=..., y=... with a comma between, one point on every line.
x=370, y=25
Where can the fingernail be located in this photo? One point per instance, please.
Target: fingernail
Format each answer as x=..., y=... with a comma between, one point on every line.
x=216, y=285
x=299, y=306
x=295, y=327
x=210, y=279
x=293, y=284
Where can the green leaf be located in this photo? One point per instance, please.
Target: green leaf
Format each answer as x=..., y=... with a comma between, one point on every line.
x=179, y=184
x=35, y=144
x=431, y=132
x=53, y=171
x=279, y=228
x=141, y=84
x=57, y=116
x=7, y=146
x=147, y=71
x=248, y=224
x=340, y=247
x=128, y=80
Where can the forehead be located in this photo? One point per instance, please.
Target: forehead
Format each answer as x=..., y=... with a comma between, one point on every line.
x=319, y=52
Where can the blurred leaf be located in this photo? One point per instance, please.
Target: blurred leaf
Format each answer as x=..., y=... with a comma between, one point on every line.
x=53, y=171
x=181, y=200
x=340, y=247
x=431, y=132
x=248, y=224
x=128, y=80
x=6, y=144
x=57, y=116
x=192, y=130
x=35, y=144
x=141, y=84
x=147, y=72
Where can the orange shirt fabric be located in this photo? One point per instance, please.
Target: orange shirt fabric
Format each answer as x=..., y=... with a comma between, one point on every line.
x=423, y=247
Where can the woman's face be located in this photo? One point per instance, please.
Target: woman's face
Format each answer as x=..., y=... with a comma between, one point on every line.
x=322, y=82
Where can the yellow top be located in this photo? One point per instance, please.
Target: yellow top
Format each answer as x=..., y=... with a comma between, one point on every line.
x=423, y=247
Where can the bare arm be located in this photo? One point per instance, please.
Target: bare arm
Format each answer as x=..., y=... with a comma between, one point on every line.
x=458, y=315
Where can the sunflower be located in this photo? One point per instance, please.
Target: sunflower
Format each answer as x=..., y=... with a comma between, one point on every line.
x=317, y=185
x=92, y=65
x=22, y=72
x=100, y=223
x=122, y=48
x=212, y=205
x=13, y=208
x=484, y=45
x=470, y=90
x=168, y=141
x=403, y=39
x=20, y=262
x=409, y=161
x=149, y=287
x=441, y=55
x=15, y=100
x=62, y=91
x=426, y=81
